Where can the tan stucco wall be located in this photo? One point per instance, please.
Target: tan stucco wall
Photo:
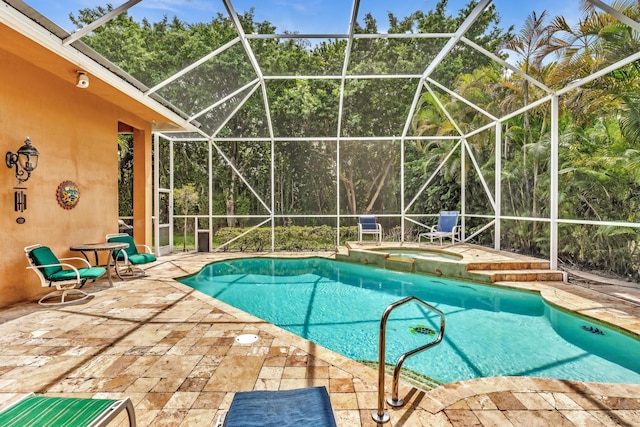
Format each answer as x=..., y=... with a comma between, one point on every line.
x=75, y=132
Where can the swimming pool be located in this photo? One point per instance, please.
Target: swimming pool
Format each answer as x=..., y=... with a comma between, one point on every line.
x=490, y=331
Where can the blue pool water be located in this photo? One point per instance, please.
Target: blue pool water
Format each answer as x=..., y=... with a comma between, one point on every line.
x=489, y=331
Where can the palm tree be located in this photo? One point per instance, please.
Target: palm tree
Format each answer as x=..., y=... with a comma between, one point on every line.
x=594, y=42
x=533, y=44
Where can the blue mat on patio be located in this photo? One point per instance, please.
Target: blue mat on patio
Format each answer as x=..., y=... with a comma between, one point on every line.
x=305, y=407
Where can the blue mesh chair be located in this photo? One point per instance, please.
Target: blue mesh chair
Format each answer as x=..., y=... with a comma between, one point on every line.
x=367, y=225
x=447, y=227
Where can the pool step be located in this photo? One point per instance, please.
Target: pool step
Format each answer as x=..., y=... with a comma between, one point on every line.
x=510, y=265
x=490, y=271
x=414, y=378
x=400, y=264
x=524, y=275
x=514, y=271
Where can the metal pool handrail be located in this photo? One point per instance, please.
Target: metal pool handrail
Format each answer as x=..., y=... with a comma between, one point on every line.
x=382, y=416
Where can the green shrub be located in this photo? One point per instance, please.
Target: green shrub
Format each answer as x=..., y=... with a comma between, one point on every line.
x=292, y=238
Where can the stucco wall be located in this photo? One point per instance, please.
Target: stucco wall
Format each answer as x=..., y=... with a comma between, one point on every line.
x=75, y=132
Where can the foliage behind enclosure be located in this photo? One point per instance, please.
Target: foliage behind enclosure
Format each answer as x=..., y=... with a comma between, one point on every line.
x=599, y=128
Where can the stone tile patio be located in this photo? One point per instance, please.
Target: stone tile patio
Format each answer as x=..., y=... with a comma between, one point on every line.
x=172, y=350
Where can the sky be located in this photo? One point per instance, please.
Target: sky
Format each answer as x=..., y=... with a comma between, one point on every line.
x=302, y=16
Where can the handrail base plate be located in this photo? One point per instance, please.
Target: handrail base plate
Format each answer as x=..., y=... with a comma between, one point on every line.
x=380, y=420
x=396, y=403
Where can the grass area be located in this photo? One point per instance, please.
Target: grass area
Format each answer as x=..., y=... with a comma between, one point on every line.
x=180, y=245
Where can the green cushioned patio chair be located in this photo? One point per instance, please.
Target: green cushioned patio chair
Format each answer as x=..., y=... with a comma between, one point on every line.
x=128, y=259
x=42, y=411
x=65, y=277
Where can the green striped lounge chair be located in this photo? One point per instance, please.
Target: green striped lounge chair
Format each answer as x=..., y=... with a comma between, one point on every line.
x=59, y=273
x=42, y=411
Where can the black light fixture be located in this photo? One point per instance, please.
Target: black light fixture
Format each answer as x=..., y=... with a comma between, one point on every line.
x=25, y=160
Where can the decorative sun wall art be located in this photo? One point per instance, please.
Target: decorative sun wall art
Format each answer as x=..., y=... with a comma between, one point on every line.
x=68, y=194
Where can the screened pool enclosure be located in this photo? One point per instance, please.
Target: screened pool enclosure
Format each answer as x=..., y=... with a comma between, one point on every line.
x=288, y=132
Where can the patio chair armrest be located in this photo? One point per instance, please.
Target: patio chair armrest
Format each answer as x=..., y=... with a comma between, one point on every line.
x=456, y=232
x=145, y=247
x=431, y=229
x=62, y=264
x=82, y=260
x=118, y=252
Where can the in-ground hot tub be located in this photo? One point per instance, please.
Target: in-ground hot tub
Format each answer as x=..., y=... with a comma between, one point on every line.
x=412, y=259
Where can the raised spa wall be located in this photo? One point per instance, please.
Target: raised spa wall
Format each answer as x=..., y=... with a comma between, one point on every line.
x=455, y=269
x=455, y=266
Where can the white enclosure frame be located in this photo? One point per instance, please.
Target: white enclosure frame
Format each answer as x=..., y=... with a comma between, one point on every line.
x=425, y=82
x=28, y=22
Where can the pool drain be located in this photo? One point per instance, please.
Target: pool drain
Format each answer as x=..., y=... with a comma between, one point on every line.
x=246, y=339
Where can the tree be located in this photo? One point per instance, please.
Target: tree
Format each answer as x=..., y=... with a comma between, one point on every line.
x=599, y=122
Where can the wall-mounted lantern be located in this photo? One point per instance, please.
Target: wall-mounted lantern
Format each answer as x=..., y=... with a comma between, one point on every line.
x=25, y=160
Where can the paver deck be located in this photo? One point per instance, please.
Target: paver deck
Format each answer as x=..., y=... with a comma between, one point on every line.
x=172, y=351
